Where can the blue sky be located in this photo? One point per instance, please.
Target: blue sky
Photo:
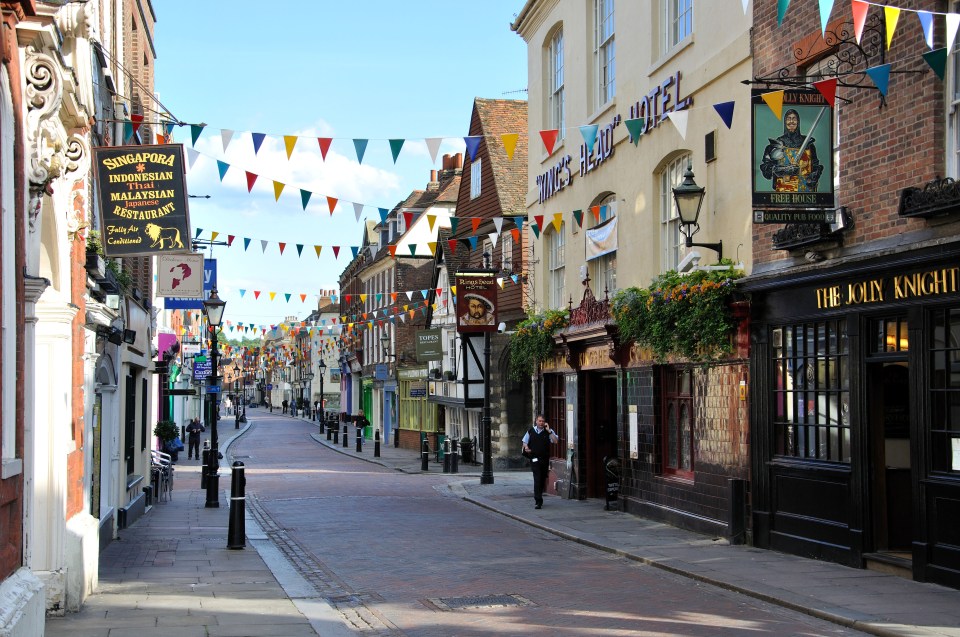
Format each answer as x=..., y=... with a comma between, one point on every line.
x=371, y=69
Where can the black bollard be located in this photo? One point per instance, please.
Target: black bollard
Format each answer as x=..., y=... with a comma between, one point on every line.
x=446, y=456
x=425, y=456
x=236, y=532
x=336, y=433
x=205, y=455
x=396, y=438
x=346, y=435
x=455, y=457
x=359, y=439
x=376, y=444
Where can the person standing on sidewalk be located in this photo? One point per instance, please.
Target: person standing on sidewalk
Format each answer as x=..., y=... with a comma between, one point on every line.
x=536, y=445
x=194, y=429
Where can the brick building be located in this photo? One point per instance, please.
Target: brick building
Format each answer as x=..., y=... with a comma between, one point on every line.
x=856, y=320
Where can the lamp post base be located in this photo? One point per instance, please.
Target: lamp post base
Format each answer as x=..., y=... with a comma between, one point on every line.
x=213, y=491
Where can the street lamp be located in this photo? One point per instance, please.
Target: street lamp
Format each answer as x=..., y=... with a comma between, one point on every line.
x=323, y=412
x=236, y=394
x=213, y=309
x=689, y=197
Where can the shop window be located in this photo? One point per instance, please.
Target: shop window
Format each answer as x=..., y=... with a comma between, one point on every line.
x=812, y=391
x=945, y=390
x=554, y=386
x=557, y=115
x=889, y=336
x=677, y=421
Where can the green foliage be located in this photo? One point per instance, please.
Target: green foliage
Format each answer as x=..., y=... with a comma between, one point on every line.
x=93, y=242
x=533, y=341
x=682, y=315
x=166, y=430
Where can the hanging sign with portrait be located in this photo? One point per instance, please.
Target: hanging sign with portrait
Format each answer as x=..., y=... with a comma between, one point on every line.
x=476, y=302
x=792, y=151
x=143, y=199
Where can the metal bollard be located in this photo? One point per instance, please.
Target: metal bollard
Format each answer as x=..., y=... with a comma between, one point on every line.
x=396, y=438
x=345, y=436
x=737, y=506
x=455, y=457
x=446, y=456
x=335, y=432
x=359, y=439
x=205, y=455
x=425, y=456
x=376, y=444
x=236, y=532
x=323, y=422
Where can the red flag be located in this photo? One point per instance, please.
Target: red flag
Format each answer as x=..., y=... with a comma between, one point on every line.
x=324, y=146
x=475, y=221
x=336, y=251
x=408, y=219
x=453, y=245
x=256, y=294
x=539, y=219
x=827, y=88
x=332, y=203
x=549, y=138
x=282, y=246
x=251, y=179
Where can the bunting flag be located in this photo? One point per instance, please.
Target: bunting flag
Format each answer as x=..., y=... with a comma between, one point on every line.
x=635, y=128
x=230, y=239
x=473, y=143
x=926, y=23
x=355, y=250
x=225, y=137
x=272, y=295
x=305, y=197
x=679, y=120
x=222, y=167
x=195, y=130
x=557, y=221
x=336, y=252
x=509, y=141
x=192, y=155
x=361, y=147
x=589, y=134
x=395, y=146
x=859, y=10
x=454, y=222
x=433, y=147
x=475, y=223
x=536, y=229
x=782, y=6
x=246, y=244
x=257, y=141
x=251, y=179
x=881, y=77
x=289, y=141
x=452, y=245
x=288, y=298
x=324, y=146
x=431, y=219
x=407, y=218
x=331, y=203
x=498, y=224
x=263, y=246
x=937, y=59
x=299, y=249
x=357, y=210
x=549, y=138
x=826, y=6
x=277, y=189
x=135, y=121
x=392, y=249
x=774, y=100
x=383, y=214
x=953, y=21
x=891, y=15
x=725, y=111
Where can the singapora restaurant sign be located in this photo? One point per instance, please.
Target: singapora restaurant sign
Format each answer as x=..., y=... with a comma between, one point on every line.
x=143, y=199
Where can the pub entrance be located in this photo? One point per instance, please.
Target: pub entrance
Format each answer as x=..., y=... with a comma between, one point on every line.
x=600, y=396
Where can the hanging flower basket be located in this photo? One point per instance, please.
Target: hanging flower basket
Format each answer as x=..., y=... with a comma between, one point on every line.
x=533, y=343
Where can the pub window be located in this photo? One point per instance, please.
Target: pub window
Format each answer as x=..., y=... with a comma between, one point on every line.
x=812, y=391
x=677, y=421
x=889, y=336
x=945, y=390
x=556, y=411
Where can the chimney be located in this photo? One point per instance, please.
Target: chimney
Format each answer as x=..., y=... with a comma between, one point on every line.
x=457, y=161
x=433, y=176
x=446, y=162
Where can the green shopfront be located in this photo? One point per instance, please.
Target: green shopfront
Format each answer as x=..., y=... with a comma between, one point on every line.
x=855, y=398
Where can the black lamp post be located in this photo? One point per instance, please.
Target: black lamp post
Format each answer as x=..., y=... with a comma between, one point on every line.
x=323, y=372
x=689, y=197
x=213, y=309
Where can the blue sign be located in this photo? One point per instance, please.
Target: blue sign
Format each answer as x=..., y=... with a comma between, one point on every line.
x=213, y=389
x=269, y=386
x=202, y=369
x=380, y=372
x=209, y=282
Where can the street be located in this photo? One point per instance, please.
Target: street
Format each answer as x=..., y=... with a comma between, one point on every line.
x=398, y=554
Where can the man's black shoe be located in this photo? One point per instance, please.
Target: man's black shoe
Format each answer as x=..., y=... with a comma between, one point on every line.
x=538, y=506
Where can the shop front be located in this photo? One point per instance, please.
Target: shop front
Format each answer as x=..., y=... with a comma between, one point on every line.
x=856, y=404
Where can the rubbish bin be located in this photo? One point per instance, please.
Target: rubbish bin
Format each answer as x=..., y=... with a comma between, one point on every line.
x=612, y=471
x=441, y=438
x=466, y=450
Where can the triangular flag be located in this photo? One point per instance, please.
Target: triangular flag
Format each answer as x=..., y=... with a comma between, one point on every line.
x=452, y=244
x=937, y=59
x=589, y=134
x=891, y=15
x=432, y=246
x=303, y=298
x=318, y=249
x=277, y=189
x=745, y=4
x=355, y=250
x=826, y=6
x=953, y=21
x=136, y=120
x=395, y=146
x=859, y=10
x=192, y=156
x=557, y=221
x=774, y=100
x=214, y=235
x=473, y=143
x=357, y=210
x=549, y=138
x=635, y=128
x=128, y=131
x=407, y=219
x=223, y=167
x=500, y=282
x=242, y=292
x=230, y=239
x=225, y=137
x=195, y=130
x=679, y=119
x=782, y=6
x=305, y=197
x=538, y=219
x=926, y=23
x=256, y=294
x=596, y=213
x=336, y=252
x=257, y=141
x=383, y=214
x=246, y=243
x=493, y=239
x=324, y=146
x=454, y=222
x=331, y=203
x=251, y=179
x=287, y=295
x=514, y=278
x=272, y=296
x=413, y=249
x=827, y=88
x=289, y=141
x=498, y=224
x=536, y=229
x=473, y=242
x=299, y=249
x=519, y=221
x=509, y=143
x=361, y=147
x=475, y=222
x=881, y=77
x=431, y=219
x=392, y=249
x=433, y=147
x=263, y=245
x=725, y=111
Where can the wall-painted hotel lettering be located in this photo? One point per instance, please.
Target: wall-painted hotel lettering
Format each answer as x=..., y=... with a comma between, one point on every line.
x=653, y=107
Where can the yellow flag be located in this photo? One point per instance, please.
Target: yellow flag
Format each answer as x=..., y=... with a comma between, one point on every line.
x=363, y=298
x=557, y=221
x=318, y=249
x=214, y=235
x=500, y=282
x=453, y=289
x=431, y=219
x=775, y=101
x=509, y=143
x=289, y=141
x=277, y=189
x=433, y=246
x=892, y=14
x=272, y=294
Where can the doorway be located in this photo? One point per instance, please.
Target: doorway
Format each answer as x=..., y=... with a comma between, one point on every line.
x=888, y=410
x=601, y=429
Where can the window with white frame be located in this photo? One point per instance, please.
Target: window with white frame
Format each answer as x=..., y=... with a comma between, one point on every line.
x=604, y=51
x=556, y=265
x=671, y=239
x=475, y=170
x=487, y=253
x=506, y=252
x=603, y=268
x=676, y=21
x=557, y=117
x=452, y=351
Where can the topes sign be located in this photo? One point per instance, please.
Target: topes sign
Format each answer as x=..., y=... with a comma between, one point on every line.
x=143, y=199
x=429, y=345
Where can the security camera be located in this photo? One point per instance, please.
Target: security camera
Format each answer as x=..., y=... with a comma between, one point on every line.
x=501, y=328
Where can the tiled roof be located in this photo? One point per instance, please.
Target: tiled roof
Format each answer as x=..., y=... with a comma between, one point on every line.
x=499, y=117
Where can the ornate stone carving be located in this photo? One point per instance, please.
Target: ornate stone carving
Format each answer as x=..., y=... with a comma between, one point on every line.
x=590, y=309
x=44, y=94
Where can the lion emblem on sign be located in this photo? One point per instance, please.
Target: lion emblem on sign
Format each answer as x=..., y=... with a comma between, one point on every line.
x=163, y=238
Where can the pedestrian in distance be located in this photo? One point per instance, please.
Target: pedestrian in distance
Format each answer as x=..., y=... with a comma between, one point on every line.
x=536, y=447
x=194, y=429
x=284, y=404
x=361, y=421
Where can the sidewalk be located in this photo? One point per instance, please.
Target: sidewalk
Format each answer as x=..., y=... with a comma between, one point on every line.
x=868, y=601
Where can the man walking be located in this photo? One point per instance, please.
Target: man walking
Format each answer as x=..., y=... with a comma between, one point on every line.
x=536, y=446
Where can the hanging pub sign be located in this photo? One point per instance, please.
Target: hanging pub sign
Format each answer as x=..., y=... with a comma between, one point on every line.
x=792, y=154
x=143, y=199
x=476, y=302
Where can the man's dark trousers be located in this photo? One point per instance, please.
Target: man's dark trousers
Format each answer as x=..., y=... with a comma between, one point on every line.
x=540, y=470
x=539, y=444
